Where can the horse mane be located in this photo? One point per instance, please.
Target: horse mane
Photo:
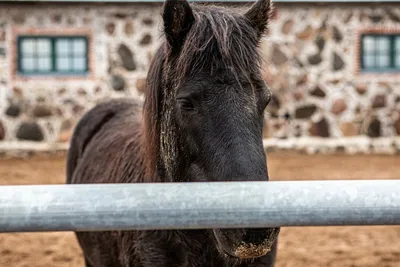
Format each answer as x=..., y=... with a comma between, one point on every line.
x=151, y=114
x=219, y=39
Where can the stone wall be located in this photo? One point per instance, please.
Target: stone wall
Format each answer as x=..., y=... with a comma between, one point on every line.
x=321, y=102
x=39, y=113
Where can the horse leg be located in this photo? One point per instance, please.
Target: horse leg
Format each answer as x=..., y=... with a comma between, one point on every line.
x=88, y=264
x=100, y=249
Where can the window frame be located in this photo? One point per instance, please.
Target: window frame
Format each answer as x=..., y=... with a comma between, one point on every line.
x=53, y=71
x=392, y=53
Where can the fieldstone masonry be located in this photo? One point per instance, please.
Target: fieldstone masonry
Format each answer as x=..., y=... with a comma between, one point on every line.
x=321, y=103
x=312, y=66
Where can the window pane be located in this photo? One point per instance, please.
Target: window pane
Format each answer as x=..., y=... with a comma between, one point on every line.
x=44, y=64
x=28, y=46
x=28, y=64
x=43, y=47
x=369, y=61
x=38, y=54
x=397, y=45
x=79, y=64
x=383, y=61
x=62, y=47
x=63, y=63
x=369, y=44
x=79, y=46
x=397, y=61
x=383, y=45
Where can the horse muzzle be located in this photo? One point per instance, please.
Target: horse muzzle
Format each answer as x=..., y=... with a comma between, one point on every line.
x=246, y=243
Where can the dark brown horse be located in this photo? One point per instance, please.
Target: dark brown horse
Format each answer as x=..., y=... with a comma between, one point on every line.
x=202, y=120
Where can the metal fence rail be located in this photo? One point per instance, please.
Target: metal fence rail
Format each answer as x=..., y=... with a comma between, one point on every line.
x=198, y=205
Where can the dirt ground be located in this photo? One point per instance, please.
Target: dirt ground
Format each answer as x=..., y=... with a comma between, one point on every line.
x=298, y=247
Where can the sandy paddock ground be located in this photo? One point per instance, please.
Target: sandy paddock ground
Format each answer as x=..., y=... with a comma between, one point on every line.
x=298, y=247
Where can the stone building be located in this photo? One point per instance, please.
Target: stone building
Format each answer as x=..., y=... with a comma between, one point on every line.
x=333, y=68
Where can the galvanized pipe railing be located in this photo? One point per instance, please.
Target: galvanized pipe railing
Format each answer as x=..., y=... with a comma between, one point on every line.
x=198, y=205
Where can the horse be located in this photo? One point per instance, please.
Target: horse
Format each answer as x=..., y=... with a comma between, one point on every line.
x=201, y=121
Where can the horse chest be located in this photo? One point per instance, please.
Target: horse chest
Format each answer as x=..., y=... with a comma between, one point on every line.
x=165, y=249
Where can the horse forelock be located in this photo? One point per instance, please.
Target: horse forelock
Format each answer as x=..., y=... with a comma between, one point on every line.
x=220, y=38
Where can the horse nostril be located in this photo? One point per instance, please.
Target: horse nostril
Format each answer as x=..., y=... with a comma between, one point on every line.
x=257, y=243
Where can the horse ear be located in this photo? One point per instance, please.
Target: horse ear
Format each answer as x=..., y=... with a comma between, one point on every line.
x=178, y=19
x=259, y=15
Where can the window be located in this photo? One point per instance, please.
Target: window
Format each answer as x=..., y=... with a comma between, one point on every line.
x=52, y=55
x=380, y=52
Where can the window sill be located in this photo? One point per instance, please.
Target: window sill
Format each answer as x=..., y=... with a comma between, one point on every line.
x=378, y=75
x=53, y=76
x=380, y=71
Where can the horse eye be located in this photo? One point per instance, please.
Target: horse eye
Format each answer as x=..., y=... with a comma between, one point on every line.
x=267, y=96
x=268, y=99
x=186, y=104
